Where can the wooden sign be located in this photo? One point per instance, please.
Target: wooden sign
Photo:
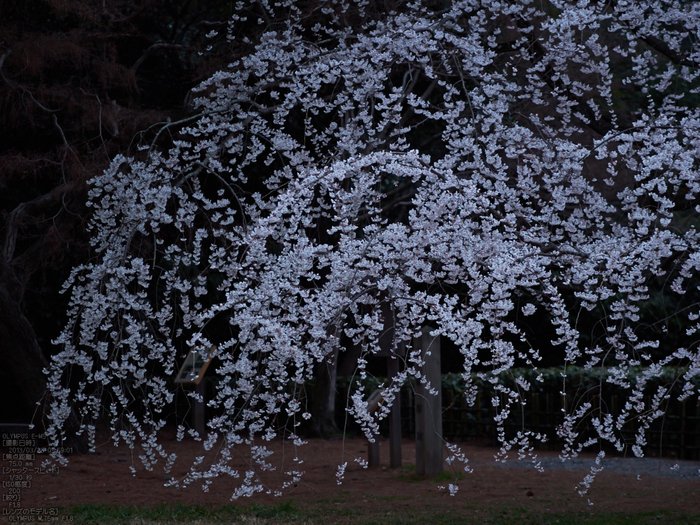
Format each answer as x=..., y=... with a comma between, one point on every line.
x=429, y=408
x=192, y=370
x=374, y=400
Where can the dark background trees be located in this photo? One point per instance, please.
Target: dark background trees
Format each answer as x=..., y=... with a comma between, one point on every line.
x=80, y=81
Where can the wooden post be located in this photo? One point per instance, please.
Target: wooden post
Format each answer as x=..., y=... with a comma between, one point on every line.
x=429, y=409
x=394, y=417
x=199, y=425
x=373, y=452
x=393, y=350
x=373, y=402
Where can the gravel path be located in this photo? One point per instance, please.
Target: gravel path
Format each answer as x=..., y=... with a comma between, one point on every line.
x=658, y=467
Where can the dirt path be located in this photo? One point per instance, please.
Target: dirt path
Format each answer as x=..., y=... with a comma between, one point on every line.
x=105, y=478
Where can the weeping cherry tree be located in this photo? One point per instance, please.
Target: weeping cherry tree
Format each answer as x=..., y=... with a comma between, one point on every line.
x=463, y=165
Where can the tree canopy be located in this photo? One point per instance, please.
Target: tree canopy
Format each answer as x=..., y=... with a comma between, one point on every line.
x=459, y=165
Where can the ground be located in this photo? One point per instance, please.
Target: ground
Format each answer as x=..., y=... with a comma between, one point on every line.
x=625, y=486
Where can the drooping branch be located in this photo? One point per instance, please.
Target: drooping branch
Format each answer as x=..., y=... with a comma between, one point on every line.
x=19, y=214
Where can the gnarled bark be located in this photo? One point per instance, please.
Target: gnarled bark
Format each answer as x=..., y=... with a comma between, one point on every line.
x=21, y=354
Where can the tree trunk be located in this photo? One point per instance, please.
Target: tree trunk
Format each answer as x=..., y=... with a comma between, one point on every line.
x=21, y=355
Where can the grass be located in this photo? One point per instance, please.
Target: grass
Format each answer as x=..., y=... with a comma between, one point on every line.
x=408, y=473
x=360, y=508
x=329, y=512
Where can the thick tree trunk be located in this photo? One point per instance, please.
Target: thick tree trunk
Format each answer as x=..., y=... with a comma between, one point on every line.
x=21, y=355
x=20, y=352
